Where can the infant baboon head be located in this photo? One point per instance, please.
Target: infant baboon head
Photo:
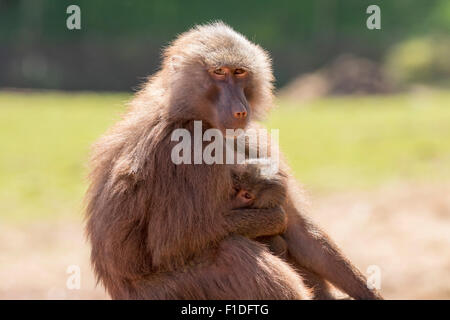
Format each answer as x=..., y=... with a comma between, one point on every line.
x=256, y=188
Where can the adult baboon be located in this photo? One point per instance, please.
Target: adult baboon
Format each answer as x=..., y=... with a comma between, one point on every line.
x=161, y=230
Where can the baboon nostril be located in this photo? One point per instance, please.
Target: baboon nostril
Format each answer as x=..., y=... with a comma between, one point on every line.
x=240, y=115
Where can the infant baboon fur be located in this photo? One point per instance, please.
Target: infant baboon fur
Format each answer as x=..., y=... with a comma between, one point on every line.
x=164, y=231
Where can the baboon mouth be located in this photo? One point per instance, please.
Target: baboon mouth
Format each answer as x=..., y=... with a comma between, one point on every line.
x=233, y=130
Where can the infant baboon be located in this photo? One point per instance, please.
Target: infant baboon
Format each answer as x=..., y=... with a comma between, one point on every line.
x=258, y=188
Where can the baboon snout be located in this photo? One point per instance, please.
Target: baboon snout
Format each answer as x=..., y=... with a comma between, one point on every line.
x=240, y=114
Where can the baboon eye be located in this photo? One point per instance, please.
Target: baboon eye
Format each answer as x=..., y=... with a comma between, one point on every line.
x=248, y=196
x=220, y=71
x=240, y=72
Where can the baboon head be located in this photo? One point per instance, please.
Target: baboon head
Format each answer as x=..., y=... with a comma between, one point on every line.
x=216, y=75
x=257, y=188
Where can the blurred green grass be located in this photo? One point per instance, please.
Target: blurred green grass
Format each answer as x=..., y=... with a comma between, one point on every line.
x=332, y=144
x=363, y=142
x=44, y=141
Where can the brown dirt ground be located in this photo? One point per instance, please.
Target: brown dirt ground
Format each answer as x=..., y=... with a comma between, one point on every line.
x=403, y=229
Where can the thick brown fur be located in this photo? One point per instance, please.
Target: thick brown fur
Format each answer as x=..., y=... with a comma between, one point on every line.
x=165, y=231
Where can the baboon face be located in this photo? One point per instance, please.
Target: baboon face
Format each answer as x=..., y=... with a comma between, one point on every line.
x=217, y=94
x=227, y=96
x=216, y=75
x=242, y=198
x=253, y=188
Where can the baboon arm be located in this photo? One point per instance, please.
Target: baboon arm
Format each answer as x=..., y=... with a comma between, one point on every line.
x=315, y=251
x=319, y=287
x=252, y=223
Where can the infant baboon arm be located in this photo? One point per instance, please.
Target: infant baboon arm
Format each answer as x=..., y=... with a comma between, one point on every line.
x=253, y=223
x=315, y=251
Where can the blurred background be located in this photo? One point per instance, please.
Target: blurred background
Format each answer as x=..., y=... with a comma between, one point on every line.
x=364, y=119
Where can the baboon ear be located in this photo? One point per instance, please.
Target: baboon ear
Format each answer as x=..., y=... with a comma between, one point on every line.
x=175, y=63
